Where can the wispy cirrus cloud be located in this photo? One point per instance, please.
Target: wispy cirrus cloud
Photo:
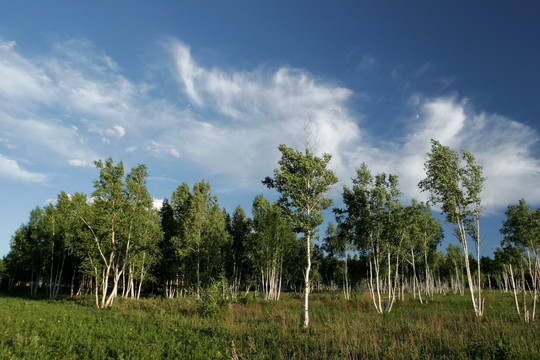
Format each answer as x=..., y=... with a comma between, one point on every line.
x=73, y=105
x=258, y=110
x=10, y=169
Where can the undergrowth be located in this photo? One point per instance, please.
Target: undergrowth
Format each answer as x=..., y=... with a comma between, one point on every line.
x=156, y=328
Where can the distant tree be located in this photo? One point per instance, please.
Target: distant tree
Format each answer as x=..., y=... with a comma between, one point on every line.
x=202, y=230
x=302, y=179
x=26, y=259
x=3, y=271
x=338, y=241
x=167, y=270
x=455, y=257
x=521, y=230
x=456, y=183
x=60, y=227
x=238, y=264
x=426, y=234
x=272, y=240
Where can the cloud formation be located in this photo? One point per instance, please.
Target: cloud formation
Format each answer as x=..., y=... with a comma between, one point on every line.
x=10, y=169
x=74, y=105
x=258, y=110
x=502, y=146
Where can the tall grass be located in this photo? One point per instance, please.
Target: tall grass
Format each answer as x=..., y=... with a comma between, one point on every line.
x=163, y=328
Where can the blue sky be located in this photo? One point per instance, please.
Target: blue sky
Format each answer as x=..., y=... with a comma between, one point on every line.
x=209, y=89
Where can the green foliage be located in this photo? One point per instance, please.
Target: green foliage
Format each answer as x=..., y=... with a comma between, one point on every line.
x=455, y=183
x=302, y=179
x=522, y=227
x=200, y=235
x=212, y=302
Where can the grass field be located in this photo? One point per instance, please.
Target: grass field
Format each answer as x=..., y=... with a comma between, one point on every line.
x=159, y=328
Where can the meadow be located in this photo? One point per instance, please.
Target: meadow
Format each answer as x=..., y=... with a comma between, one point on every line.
x=156, y=328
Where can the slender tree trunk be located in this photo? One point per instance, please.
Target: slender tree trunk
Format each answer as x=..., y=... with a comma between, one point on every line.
x=524, y=293
x=428, y=278
x=346, y=288
x=198, y=273
x=514, y=290
x=58, y=279
x=476, y=306
x=307, y=282
x=533, y=270
x=415, y=279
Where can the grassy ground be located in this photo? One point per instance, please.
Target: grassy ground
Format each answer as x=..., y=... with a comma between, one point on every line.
x=157, y=329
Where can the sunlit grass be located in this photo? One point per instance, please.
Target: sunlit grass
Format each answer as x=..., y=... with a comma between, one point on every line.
x=159, y=328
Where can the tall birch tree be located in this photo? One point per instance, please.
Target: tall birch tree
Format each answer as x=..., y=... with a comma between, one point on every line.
x=455, y=182
x=302, y=179
x=375, y=219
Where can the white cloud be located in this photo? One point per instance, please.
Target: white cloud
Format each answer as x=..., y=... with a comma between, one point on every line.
x=48, y=137
x=116, y=132
x=7, y=45
x=157, y=203
x=257, y=111
x=7, y=143
x=236, y=121
x=78, y=163
x=501, y=145
x=22, y=81
x=10, y=169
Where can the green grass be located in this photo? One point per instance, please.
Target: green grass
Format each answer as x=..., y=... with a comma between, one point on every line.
x=158, y=328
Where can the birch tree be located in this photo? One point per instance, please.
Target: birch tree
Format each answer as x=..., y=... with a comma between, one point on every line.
x=26, y=259
x=272, y=239
x=339, y=241
x=521, y=229
x=426, y=234
x=61, y=223
x=202, y=229
x=302, y=179
x=455, y=183
x=104, y=220
x=238, y=264
x=169, y=269
x=375, y=220
x=113, y=223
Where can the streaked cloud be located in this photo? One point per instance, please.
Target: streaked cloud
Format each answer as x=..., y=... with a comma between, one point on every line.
x=73, y=105
x=10, y=169
x=258, y=110
x=502, y=146
x=78, y=163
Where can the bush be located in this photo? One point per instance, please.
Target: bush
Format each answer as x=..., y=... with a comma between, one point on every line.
x=211, y=302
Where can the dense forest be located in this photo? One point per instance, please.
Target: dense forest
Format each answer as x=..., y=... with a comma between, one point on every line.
x=115, y=243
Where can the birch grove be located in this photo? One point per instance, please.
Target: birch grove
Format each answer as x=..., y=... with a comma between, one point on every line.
x=115, y=243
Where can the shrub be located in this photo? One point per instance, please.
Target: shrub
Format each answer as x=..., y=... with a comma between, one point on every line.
x=211, y=302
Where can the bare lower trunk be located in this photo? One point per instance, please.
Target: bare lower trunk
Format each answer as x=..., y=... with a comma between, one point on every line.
x=58, y=279
x=415, y=279
x=476, y=299
x=346, y=288
x=514, y=290
x=307, y=283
